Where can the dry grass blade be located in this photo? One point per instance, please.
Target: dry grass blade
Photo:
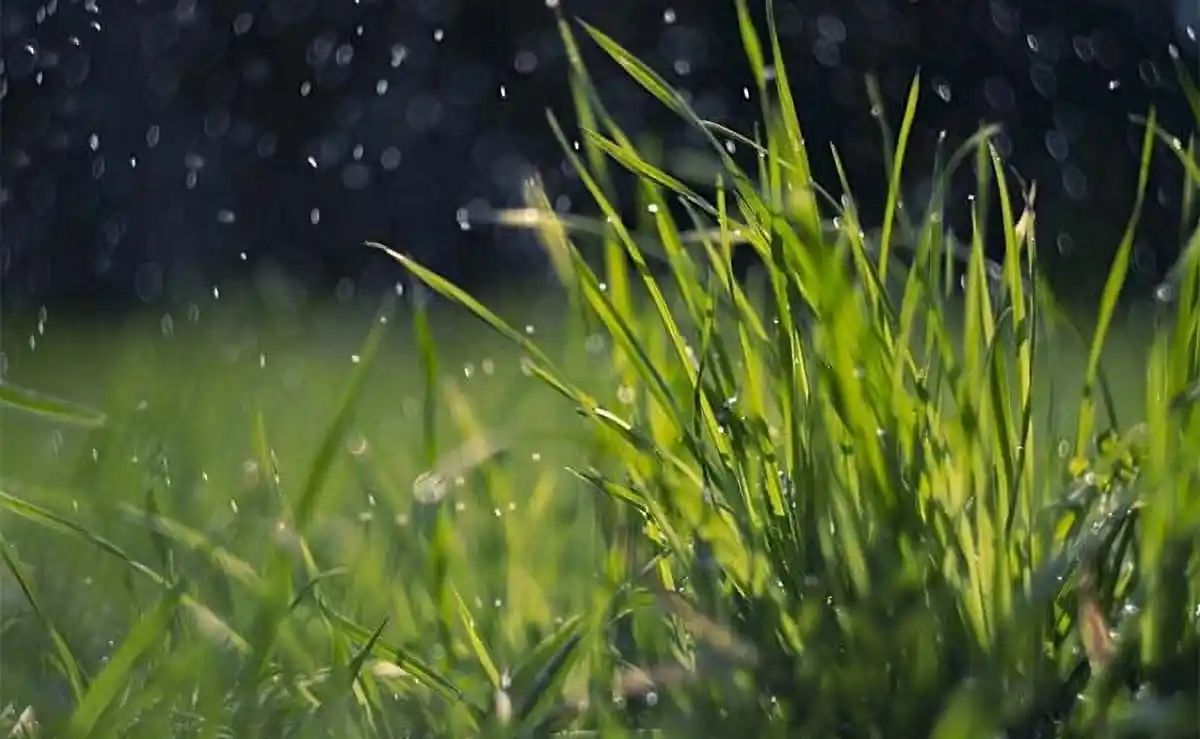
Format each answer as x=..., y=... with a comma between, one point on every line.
x=1094, y=629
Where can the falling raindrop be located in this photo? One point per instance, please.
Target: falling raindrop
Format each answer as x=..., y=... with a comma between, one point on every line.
x=942, y=88
x=242, y=23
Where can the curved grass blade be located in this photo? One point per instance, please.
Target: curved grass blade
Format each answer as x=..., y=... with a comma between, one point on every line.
x=76, y=678
x=410, y=664
x=48, y=406
x=87, y=717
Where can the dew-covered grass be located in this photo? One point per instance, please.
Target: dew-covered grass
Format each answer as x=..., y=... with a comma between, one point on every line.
x=859, y=500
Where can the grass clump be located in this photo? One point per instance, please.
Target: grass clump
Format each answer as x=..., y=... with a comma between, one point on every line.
x=829, y=508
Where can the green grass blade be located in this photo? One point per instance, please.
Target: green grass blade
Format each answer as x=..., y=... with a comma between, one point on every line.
x=77, y=679
x=118, y=673
x=1112, y=289
x=334, y=436
x=47, y=406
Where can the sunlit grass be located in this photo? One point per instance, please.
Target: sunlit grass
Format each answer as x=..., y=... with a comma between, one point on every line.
x=874, y=497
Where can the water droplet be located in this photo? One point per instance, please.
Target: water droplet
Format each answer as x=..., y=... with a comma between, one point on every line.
x=438, y=35
x=942, y=88
x=525, y=62
x=669, y=15
x=429, y=487
x=314, y=216
x=242, y=23
x=226, y=216
x=1165, y=293
x=389, y=158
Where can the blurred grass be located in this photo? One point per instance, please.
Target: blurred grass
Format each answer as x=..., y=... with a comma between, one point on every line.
x=864, y=498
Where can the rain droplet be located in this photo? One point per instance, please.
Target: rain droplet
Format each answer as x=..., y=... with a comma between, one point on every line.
x=669, y=15
x=429, y=487
x=226, y=216
x=389, y=159
x=242, y=23
x=314, y=216
x=942, y=88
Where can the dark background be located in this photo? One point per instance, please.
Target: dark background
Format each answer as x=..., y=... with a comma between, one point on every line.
x=152, y=148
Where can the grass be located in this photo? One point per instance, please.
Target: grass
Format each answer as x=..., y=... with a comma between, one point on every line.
x=841, y=505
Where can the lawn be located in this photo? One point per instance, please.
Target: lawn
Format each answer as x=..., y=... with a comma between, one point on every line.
x=651, y=503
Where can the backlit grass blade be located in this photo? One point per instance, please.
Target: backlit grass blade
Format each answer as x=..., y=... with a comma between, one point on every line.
x=478, y=648
x=1112, y=289
x=803, y=204
x=893, y=198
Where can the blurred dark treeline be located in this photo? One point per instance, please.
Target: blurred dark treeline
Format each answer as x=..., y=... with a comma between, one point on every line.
x=153, y=148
